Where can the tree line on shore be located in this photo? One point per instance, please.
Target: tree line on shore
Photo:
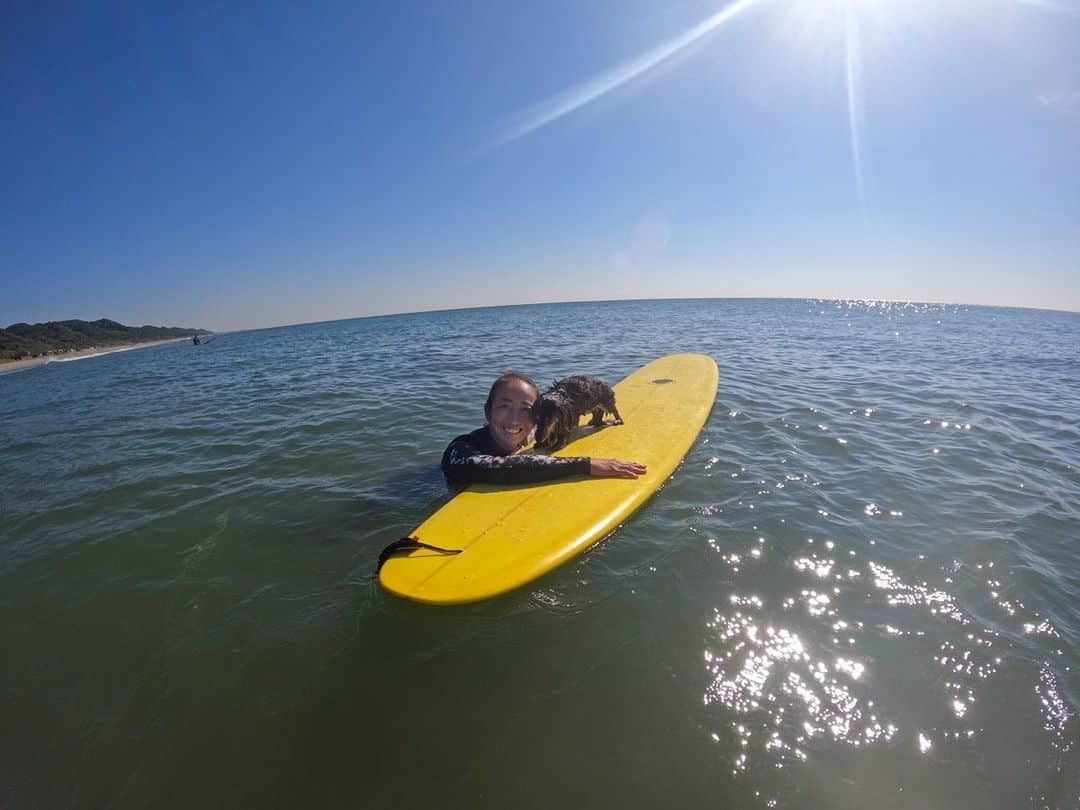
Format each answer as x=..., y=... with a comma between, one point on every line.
x=22, y=340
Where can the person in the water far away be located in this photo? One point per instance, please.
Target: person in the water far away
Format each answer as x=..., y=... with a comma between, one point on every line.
x=487, y=455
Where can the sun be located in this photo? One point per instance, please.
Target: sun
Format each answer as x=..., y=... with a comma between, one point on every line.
x=835, y=35
x=874, y=12
x=835, y=32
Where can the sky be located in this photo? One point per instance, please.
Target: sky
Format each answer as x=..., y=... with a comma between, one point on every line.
x=234, y=166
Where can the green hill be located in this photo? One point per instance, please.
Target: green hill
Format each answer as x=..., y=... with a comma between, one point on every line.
x=55, y=337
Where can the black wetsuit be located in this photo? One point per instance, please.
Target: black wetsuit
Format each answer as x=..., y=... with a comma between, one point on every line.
x=475, y=458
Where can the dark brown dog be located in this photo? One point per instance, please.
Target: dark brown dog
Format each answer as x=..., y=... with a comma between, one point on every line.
x=559, y=409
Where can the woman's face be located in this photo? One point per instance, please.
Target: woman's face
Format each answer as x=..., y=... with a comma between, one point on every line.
x=510, y=416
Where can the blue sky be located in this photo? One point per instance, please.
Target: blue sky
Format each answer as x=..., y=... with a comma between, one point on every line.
x=236, y=166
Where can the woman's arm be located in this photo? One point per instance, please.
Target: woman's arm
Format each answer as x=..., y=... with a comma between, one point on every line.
x=463, y=463
x=469, y=460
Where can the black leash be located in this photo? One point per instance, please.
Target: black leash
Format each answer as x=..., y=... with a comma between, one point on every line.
x=408, y=544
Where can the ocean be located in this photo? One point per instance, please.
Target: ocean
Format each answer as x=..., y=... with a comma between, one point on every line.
x=861, y=588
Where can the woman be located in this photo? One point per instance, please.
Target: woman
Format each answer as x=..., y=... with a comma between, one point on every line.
x=487, y=455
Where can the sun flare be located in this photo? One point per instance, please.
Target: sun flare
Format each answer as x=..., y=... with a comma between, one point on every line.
x=838, y=33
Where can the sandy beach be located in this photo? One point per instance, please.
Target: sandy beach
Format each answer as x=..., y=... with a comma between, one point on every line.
x=93, y=351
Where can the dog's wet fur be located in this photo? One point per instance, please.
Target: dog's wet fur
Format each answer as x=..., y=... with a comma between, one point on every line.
x=559, y=409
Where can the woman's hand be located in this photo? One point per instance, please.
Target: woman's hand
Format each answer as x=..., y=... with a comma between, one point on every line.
x=614, y=468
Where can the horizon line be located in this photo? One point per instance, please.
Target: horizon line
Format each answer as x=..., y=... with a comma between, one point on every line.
x=843, y=299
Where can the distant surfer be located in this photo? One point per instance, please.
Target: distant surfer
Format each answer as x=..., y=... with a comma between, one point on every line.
x=195, y=338
x=489, y=455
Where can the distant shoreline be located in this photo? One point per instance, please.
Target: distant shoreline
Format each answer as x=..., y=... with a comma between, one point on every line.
x=93, y=351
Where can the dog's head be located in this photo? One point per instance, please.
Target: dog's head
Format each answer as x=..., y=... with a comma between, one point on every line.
x=549, y=418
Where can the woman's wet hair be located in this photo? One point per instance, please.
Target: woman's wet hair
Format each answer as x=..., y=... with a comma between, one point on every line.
x=505, y=378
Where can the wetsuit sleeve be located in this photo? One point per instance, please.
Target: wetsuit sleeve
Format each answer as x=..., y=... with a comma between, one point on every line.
x=464, y=463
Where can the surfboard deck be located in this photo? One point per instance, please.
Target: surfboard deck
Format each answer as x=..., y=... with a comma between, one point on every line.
x=510, y=535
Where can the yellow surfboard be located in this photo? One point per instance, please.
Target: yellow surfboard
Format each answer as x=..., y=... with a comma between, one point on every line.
x=510, y=535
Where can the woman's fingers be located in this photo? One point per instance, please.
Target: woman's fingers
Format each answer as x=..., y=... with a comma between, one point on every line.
x=615, y=468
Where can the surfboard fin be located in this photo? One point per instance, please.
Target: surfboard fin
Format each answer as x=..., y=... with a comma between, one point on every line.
x=407, y=544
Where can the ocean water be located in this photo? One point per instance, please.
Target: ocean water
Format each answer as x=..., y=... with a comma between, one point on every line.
x=862, y=587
